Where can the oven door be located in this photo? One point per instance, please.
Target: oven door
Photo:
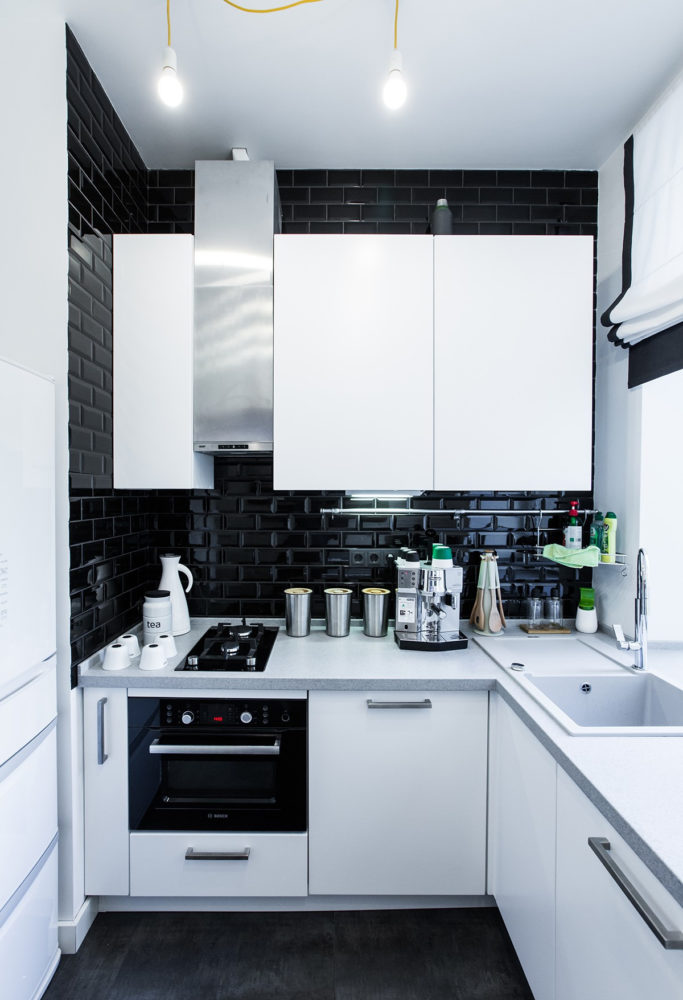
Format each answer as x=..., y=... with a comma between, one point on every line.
x=229, y=781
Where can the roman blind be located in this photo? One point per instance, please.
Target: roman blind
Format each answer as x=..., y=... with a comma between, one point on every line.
x=651, y=300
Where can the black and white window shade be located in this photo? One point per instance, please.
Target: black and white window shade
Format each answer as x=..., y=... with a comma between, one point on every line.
x=647, y=316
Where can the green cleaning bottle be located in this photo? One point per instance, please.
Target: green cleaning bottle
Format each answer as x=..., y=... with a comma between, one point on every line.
x=597, y=525
x=609, y=538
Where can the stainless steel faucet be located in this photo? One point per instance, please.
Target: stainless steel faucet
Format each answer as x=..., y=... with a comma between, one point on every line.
x=639, y=643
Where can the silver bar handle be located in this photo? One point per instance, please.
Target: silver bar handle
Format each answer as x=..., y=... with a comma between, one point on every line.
x=212, y=750
x=101, y=755
x=427, y=703
x=667, y=938
x=192, y=855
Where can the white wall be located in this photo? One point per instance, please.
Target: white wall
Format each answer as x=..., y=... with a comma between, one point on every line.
x=662, y=486
x=634, y=476
x=617, y=409
x=33, y=321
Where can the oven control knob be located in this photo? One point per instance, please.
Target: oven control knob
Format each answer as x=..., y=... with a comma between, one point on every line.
x=285, y=716
x=187, y=717
x=246, y=718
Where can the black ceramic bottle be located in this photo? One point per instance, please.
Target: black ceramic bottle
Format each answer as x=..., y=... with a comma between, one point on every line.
x=441, y=222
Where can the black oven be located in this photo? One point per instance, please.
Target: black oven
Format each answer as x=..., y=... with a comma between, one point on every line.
x=217, y=764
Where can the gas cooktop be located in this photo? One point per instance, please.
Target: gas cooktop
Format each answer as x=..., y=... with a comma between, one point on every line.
x=229, y=647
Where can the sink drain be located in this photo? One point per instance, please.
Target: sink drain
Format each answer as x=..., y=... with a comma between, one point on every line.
x=585, y=688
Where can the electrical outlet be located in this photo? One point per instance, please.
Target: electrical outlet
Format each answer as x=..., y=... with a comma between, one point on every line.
x=378, y=558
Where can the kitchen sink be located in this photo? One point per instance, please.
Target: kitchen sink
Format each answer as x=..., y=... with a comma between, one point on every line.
x=625, y=704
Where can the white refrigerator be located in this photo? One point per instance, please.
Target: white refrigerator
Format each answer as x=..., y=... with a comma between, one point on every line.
x=28, y=704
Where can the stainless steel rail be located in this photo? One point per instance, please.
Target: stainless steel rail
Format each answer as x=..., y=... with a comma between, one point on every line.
x=398, y=511
x=399, y=704
x=101, y=755
x=192, y=855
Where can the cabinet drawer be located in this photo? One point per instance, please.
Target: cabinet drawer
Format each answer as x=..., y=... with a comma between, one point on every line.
x=28, y=806
x=27, y=710
x=276, y=864
x=28, y=934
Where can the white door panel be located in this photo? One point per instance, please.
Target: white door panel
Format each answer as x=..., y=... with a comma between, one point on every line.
x=27, y=521
x=513, y=321
x=353, y=362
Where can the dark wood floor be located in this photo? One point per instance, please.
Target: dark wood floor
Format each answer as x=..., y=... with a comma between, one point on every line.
x=369, y=955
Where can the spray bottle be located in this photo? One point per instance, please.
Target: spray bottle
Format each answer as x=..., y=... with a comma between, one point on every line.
x=572, y=533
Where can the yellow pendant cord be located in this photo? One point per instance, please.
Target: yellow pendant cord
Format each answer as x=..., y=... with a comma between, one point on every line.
x=395, y=27
x=260, y=10
x=268, y=10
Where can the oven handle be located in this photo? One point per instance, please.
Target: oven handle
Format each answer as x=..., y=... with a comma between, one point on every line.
x=213, y=750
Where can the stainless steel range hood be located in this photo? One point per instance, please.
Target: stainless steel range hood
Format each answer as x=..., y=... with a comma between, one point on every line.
x=237, y=211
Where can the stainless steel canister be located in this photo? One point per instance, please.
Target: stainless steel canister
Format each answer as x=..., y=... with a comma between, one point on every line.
x=375, y=611
x=298, y=611
x=338, y=610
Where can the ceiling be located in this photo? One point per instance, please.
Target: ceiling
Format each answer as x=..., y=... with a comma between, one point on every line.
x=493, y=83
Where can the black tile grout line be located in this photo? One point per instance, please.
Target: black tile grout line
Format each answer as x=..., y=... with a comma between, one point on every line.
x=112, y=191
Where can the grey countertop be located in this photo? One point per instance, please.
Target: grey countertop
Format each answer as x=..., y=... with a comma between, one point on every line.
x=315, y=662
x=635, y=782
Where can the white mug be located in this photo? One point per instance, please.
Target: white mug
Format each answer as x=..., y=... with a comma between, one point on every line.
x=116, y=657
x=167, y=643
x=131, y=643
x=152, y=657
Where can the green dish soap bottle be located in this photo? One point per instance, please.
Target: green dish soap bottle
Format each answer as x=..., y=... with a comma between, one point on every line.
x=586, y=615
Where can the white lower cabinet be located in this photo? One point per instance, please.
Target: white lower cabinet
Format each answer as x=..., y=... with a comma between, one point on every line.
x=397, y=792
x=522, y=791
x=604, y=946
x=105, y=766
x=210, y=864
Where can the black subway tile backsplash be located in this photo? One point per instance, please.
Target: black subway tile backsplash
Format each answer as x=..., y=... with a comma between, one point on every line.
x=244, y=542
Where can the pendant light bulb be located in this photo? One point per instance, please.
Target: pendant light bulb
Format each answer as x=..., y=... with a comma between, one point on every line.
x=395, y=89
x=170, y=88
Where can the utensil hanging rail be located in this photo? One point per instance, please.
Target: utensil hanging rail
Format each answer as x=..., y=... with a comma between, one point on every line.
x=471, y=511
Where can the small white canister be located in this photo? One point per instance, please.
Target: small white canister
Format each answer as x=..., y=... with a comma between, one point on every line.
x=156, y=615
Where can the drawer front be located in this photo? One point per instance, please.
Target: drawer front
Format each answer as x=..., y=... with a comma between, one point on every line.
x=27, y=710
x=28, y=806
x=28, y=935
x=246, y=864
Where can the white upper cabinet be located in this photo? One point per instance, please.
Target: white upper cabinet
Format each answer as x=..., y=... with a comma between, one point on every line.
x=353, y=363
x=513, y=322
x=153, y=373
x=448, y=363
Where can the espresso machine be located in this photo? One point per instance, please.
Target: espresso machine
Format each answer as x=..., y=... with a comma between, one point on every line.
x=428, y=601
